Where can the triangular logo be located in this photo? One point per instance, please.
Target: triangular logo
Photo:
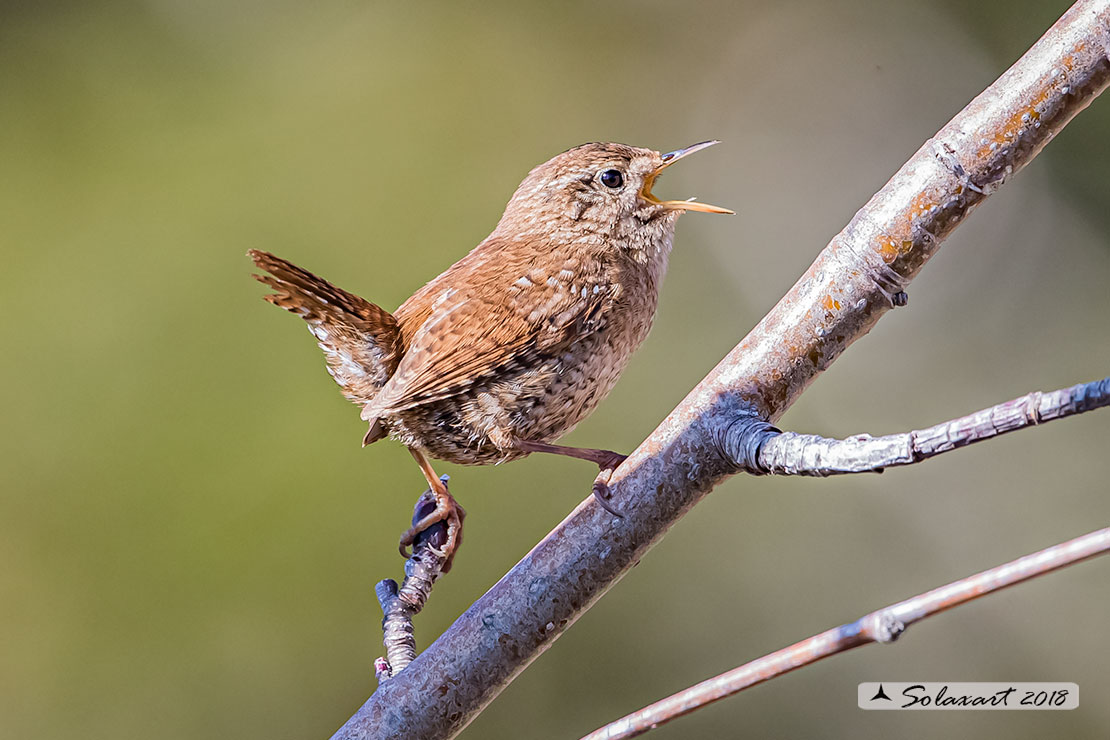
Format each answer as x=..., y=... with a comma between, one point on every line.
x=880, y=694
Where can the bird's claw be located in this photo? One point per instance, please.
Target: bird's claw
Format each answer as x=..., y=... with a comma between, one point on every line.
x=602, y=493
x=447, y=511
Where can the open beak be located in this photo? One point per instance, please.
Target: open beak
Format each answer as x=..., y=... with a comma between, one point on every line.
x=678, y=205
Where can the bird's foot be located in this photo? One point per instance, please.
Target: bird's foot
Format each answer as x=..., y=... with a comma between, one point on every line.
x=601, y=484
x=446, y=509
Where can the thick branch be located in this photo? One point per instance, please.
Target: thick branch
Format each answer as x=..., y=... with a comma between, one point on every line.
x=789, y=453
x=842, y=295
x=885, y=625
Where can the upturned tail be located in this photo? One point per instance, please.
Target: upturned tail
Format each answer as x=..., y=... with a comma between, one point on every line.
x=361, y=341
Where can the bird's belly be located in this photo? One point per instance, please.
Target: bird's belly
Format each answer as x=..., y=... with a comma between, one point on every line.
x=536, y=399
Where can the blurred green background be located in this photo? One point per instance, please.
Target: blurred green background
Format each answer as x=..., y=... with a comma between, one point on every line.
x=189, y=531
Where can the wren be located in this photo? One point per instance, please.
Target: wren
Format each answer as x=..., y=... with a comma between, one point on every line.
x=518, y=341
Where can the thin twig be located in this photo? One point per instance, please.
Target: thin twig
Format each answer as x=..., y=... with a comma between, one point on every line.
x=400, y=605
x=790, y=453
x=854, y=281
x=884, y=625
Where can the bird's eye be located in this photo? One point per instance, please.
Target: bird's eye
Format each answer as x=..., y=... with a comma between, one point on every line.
x=612, y=179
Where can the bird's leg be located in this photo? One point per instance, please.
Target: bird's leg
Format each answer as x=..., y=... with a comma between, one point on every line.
x=604, y=459
x=447, y=509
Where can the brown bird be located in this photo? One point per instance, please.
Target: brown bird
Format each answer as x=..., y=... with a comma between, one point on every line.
x=519, y=340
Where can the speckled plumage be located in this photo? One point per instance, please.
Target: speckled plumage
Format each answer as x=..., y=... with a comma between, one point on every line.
x=520, y=339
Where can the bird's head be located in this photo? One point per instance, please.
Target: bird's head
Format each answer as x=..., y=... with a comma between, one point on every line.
x=601, y=189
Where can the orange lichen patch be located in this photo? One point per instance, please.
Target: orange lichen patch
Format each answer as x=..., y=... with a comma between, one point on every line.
x=887, y=248
x=891, y=248
x=1069, y=60
x=1018, y=121
x=830, y=304
x=921, y=206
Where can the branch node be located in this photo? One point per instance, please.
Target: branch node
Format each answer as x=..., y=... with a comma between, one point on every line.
x=1033, y=407
x=742, y=440
x=946, y=155
x=883, y=627
x=853, y=255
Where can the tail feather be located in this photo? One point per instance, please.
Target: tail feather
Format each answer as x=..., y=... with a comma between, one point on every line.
x=361, y=341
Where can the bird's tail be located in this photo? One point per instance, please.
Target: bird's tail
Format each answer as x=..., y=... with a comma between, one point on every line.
x=361, y=341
